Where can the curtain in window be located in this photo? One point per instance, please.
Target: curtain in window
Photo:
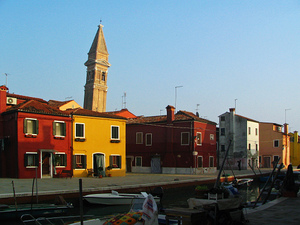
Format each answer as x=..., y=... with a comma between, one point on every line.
x=98, y=164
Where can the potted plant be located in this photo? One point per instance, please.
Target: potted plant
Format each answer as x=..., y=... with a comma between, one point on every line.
x=108, y=170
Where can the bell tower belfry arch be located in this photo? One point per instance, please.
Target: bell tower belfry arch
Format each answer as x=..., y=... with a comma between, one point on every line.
x=96, y=75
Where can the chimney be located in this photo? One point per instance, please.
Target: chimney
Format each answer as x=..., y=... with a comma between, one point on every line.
x=170, y=114
x=286, y=128
x=3, y=91
x=232, y=110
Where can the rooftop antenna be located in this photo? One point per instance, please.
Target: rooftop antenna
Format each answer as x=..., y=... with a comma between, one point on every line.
x=6, y=74
x=66, y=98
x=124, y=101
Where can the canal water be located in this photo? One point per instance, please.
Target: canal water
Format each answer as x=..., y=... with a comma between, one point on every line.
x=173, y=197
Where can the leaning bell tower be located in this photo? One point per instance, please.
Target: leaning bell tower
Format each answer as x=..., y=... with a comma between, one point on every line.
x=96, y=75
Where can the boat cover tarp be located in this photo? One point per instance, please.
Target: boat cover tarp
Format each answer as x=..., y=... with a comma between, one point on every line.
x=223, y=204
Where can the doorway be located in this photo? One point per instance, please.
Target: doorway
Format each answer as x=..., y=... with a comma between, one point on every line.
x=46, y=164
x=98, y=165
x=155, y=164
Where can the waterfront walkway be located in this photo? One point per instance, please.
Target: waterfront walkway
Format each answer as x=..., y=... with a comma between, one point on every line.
x=281, y=211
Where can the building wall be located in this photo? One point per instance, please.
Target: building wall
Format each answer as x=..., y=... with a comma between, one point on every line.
x=295, y=148
x=19, y=144
x=98, y=140
x=268, y=134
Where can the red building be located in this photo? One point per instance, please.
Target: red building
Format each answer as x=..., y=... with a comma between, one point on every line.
x=181, y=143
x=35, y=137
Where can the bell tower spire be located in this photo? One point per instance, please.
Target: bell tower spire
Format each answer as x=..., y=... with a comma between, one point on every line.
x=96, y=76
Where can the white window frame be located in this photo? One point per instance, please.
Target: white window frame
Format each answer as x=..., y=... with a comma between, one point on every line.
x=31, y=153
x=199, y=140
x=75, y=162
x=110, y=163
x=60, y=153
x=36, y=124
x=146, y=141
x=62, y=123
x=212, y=137
x=136, y=138
x=83, y=136
x=111, y=132
x=186, y=144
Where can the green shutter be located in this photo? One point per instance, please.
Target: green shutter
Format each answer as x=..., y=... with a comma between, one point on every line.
x=65, y=159
x=25, y=160
x=64, y=129
x=53, y=128
x=110, y=160
x=84, y=161
x=25, y=126
x=74, y=161
x=36, y=160
x=37, y=127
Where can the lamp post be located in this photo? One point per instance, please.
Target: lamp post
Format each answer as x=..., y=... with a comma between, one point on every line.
x=285, y=115
x=176, y=94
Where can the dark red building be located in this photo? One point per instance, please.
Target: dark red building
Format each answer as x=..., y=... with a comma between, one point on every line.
x=181, y=143
x=35, y=137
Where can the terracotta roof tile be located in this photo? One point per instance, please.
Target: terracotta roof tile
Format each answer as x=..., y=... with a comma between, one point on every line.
x=57, y=104
x=33, y=106
x=86, y=112
x=26, y=98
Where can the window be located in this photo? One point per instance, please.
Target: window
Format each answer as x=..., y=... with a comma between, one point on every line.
x=79, y=130
x=256, y=131
x=249, y=146
x=212, y=137
x=79, y=161
x=276, y=143
x=115, y=161
x=138, y=161
x=222, y=148
x=249, y=130
x=148, y=139
x=115, y=132
x=103, y=76
x=31, y=159
x=60, y=159
x=222, y=131
x=222, y=118
x=200, y=161
x=185, y=138
x=211, y=161
x=276, y=157
x=256, y=147
x=139, y=138
x=59, y=128
x=199, y=138
x=31, y=126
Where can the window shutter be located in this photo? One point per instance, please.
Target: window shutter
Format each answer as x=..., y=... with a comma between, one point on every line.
x=74, y=161
x=110, y=160
x=65, y=159
x=120, y=161
x=37, y=127
x=25, y=126
x=64, y=129
x=84, y=161
x=36, y=160
x=53, y=128
x=26, y=160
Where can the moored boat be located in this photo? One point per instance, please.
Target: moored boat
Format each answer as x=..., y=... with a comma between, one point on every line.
x=115, y=198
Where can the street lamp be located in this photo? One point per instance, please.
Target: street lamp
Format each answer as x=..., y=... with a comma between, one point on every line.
x=285, y=115
x=176, y=94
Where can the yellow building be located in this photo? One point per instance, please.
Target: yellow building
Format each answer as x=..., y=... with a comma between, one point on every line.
x=295, y=148
x=99, y=142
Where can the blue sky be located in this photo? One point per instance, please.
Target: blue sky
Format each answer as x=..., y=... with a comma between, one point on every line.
x=218, y=51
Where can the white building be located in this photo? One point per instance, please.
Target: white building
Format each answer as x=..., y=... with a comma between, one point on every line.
x=241, y=136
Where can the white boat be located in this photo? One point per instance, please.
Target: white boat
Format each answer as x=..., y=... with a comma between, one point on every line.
x=115, y=198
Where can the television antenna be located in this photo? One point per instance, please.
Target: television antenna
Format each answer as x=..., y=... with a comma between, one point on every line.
x=6, y=74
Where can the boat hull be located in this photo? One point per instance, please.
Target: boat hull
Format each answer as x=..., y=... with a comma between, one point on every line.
x=110, y=200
